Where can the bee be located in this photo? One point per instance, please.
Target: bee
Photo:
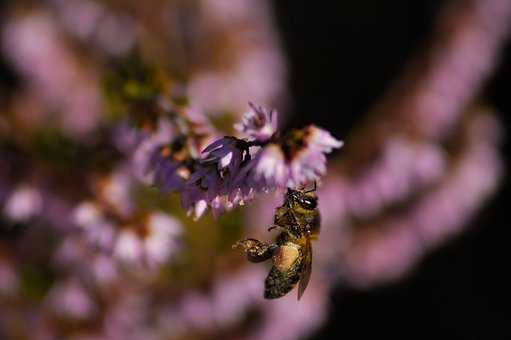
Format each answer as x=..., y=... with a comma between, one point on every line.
x=298, y=221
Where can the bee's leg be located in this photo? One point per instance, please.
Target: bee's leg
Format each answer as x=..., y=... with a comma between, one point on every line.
x=257, y=251
x=275, y=226
x=294, y=216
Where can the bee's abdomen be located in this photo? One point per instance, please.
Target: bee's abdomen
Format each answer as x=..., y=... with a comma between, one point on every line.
x=285, y=273
x=278, y=284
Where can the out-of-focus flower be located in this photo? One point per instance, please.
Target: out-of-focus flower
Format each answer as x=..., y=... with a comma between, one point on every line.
x=289, y=319
x=127, y=318
x=144, y=158
x=258, y=123
x=150, y=244
x=256, y=72
x=70, y=90
x=196, y=311
x=94, y=23
x=168, y=174
x=165, y=157
x=71, y=300
x=233, y=294
x=116, y=189
x=24, y=203
x=385, y=251
x=99, y=231
x=127, y=138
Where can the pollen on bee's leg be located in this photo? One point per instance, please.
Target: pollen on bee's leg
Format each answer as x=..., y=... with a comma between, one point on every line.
x=257, y=251
x=245, y=244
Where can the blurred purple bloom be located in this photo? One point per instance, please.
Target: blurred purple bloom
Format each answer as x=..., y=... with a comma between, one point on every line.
x=258, y=123
x=24, y=203
x=150, y=244
x=115, y=190
x=99, y=231
x=71, y=300
x=145, y=148
x=169, y=175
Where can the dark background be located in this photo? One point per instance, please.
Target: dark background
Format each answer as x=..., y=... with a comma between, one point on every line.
x=342, y=56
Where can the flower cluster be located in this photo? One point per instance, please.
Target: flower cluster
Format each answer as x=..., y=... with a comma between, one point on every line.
x=114, y=224
x=231, y=170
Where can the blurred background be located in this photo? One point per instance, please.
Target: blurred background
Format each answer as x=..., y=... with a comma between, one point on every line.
x=414, y=233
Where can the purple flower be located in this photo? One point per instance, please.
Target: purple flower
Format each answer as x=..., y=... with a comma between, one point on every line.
x=71, y=300
x=307, y=160
x=24, y=203
x=193, y=201
x=150, y=244
x=230, y=170
x=212, y=182
x=168, y=173
x=266, y=171
x=259, y=123
x=148, y=143
x=298, y=159
x=227, y=153
x=99, y=231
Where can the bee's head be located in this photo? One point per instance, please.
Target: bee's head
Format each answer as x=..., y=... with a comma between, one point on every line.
x=307, y=199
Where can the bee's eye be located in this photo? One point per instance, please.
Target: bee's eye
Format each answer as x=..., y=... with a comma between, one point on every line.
x=309, y=203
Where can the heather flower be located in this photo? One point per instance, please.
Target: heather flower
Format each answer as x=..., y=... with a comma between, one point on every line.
x=115, y=191
x=306, y=151
x=206, y=182
x=193, y=201
x=144, y=154
x=165, y=158
x=267, y=170
x=104, y=269
x=24, y=203
x=71, y=300
x=227, y=153
x=298, y=159
x=168, y=174
x=99, y=231
x=149, y=244
x=126, y=138
x=232, y=170
x=258, y=123
x=215, y=173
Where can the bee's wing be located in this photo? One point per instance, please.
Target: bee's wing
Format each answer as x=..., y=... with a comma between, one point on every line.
x=307, y=268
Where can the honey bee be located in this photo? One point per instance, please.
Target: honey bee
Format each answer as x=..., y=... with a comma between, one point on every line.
x=298, y=219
